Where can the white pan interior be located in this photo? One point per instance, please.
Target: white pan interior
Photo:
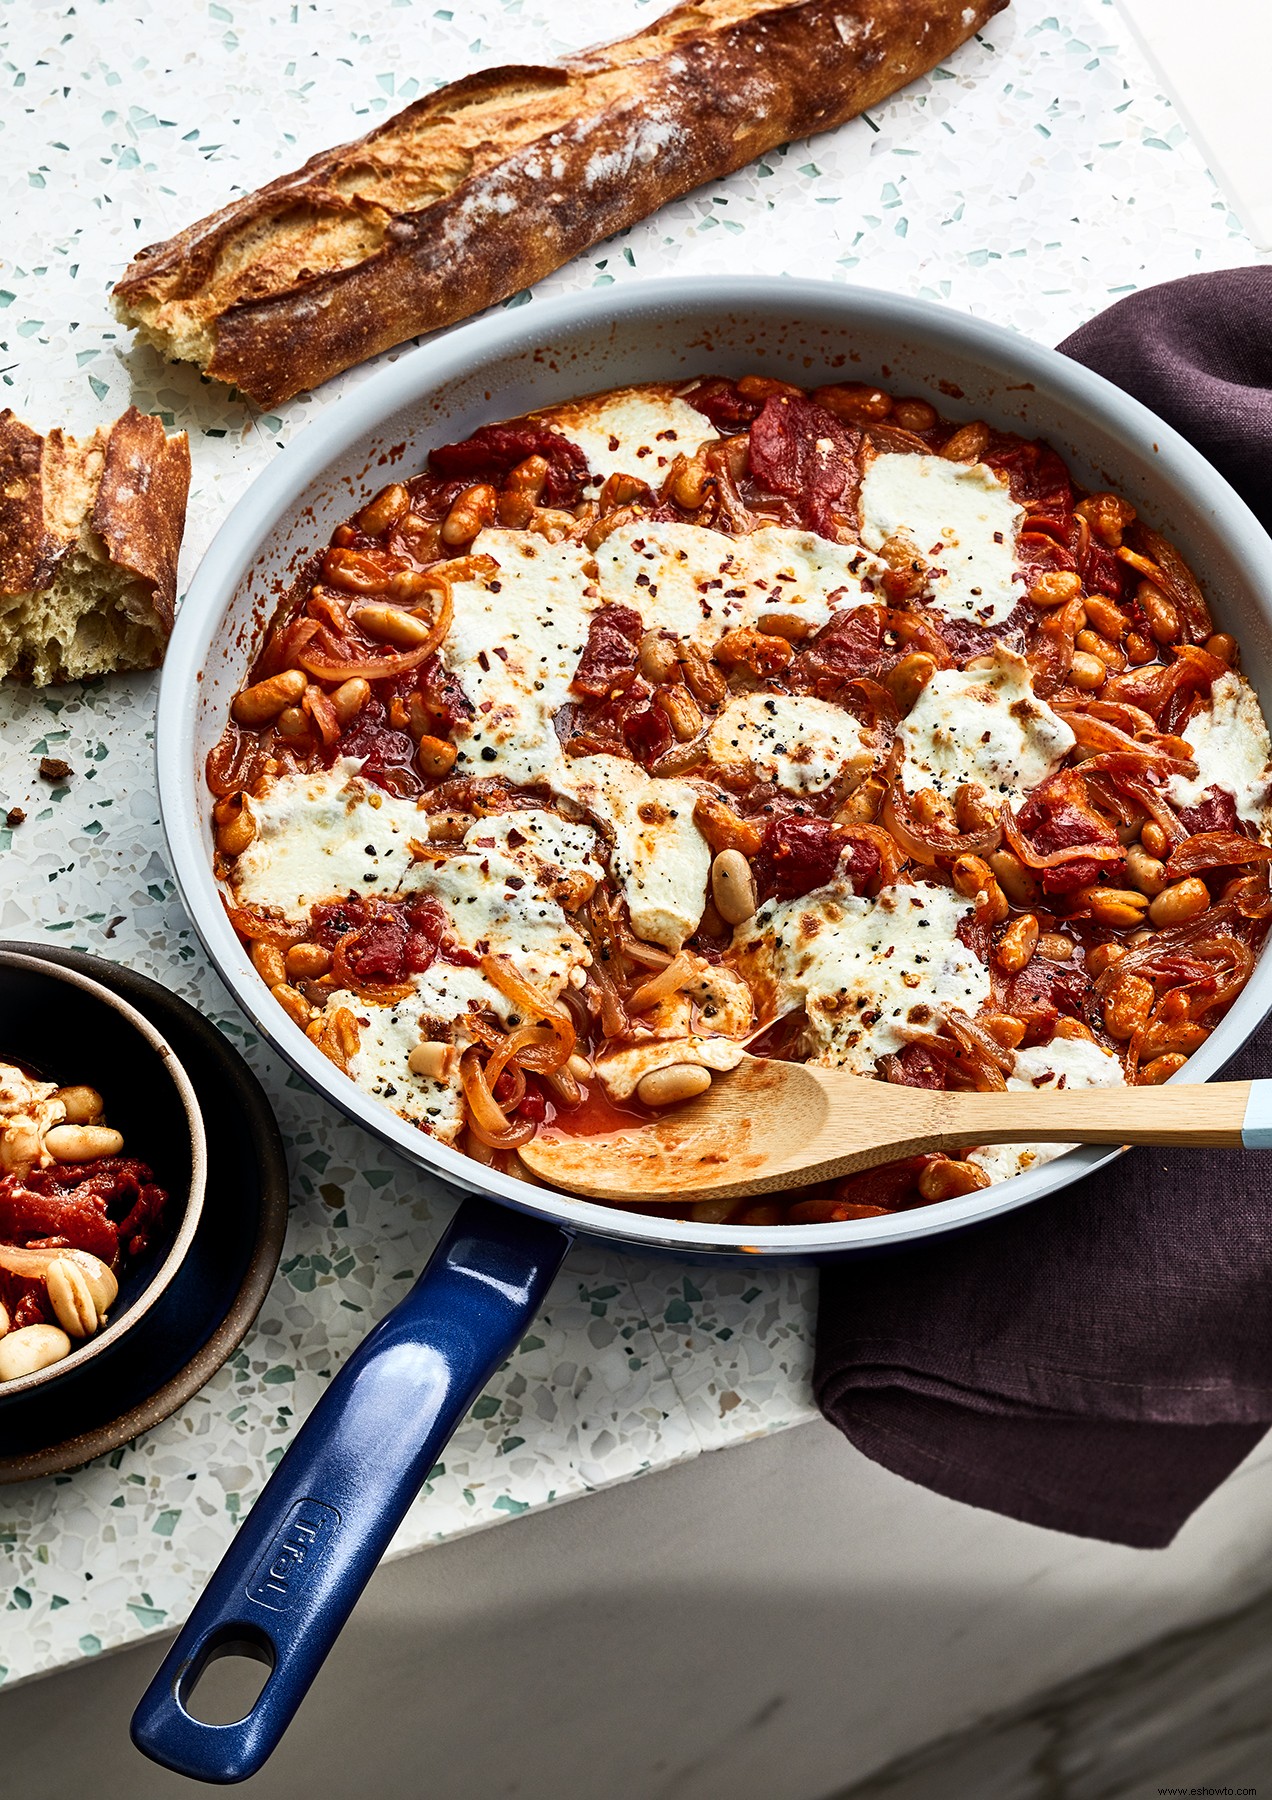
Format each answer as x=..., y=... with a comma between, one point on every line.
x=806, y=332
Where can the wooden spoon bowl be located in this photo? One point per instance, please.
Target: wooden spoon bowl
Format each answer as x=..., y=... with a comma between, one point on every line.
x=770, y=1126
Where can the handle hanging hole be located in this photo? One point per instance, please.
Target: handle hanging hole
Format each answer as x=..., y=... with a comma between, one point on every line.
x=228, y=1675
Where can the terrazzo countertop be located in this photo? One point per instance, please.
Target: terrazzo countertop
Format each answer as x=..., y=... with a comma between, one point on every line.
x=1033, y=180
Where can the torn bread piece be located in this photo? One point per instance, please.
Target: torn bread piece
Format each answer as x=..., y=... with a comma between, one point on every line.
x=90, y=532
x=476, y=191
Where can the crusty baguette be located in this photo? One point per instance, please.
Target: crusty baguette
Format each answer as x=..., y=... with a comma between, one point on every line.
x=90, y=531
x=487, y=185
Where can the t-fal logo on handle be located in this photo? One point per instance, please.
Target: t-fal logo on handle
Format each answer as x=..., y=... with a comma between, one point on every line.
x=285, y=1569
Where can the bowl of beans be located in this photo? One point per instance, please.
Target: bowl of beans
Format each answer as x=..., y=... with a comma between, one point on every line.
x=102, y=1169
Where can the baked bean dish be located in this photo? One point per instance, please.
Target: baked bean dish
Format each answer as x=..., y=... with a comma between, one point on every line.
x=73, y=1210
x=696, y=717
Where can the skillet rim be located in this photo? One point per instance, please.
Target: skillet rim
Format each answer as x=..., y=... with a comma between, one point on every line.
x=407, y=381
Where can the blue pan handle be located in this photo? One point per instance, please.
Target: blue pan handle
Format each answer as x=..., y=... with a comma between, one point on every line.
x=310, y=1544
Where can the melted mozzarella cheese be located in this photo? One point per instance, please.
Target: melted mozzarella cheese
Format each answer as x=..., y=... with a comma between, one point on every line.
x=493, y=909
x=701, y=1023
x=636, y=431
x=498, y=900
x=798, y=743
x=28, y=1108
x=961, y=519
x=502, y=892
x=699, y=584
x=514, y=643
x=386, y=1037
x=1064, y=1062
x=658, y=857
x=982, y=725
x=1067, y=1062
x=559, y=854
x=1232, y=750
x=870, y=974
x=321, y=836
x=622, y=1072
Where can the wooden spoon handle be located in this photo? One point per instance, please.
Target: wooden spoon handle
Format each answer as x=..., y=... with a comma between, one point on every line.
x=1214, y=1114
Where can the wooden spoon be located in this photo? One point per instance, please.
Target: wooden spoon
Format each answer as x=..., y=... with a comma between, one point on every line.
x=775, y=1125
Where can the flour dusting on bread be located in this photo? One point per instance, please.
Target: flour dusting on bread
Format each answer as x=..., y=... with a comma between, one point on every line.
x=477, y=191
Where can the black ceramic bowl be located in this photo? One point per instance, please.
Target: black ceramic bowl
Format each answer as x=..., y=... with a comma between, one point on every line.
x=70, y=1029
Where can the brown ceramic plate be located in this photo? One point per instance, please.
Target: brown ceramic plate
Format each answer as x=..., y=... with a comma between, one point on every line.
x=205, y=1312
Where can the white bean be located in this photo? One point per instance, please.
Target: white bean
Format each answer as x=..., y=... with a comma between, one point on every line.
x=99, y=1277
x=70, y=1297
x=664, y=1087
x=733, y=887
x=350, y=698
x=33, y=1347
x=261, y=703
x=433, y=1062
x=83, y=1104
x=82, y=1143
x=391, y=625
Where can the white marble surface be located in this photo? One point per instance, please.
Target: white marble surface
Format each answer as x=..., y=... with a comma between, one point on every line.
x=1039, y=176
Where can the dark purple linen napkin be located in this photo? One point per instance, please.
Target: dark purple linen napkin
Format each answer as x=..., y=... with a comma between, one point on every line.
x=1199, y=352
x=1101, y=1361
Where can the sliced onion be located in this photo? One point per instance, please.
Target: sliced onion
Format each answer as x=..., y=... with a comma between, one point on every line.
x=1172, y=574
x=649, y=956
x=1036, y=859
x=1251, y=896
x=927, y=845
x=1157, y=952
x=1176, y=1022
x=535, y=1006
x=230, y=760
x=1128, y=718
x=259, y=930
x=1101, y=735
x=986, y=1062
x=884, y=712
x=370, y=668
x=1152, y=686
x=283, y=645
x=335, y=660
x=1051, y=652
x=323, y=714
x=1154, y=802
x=728, y=500
x=679, y=972
x=533, y=1047
x=894, y=440
x=515, y=1076
x=1214, y=850
x=613, y=1015
x=323, y=606
x=486, y=1118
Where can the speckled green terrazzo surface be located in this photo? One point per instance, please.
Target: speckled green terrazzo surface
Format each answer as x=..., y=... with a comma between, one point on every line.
x=1035, y=179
